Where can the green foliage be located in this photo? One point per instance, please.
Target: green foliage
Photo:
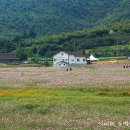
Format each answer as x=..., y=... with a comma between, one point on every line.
x=110, y=51
x=6, y=45
x=43, y=111
x=55, y=16
x=47, y=63
x=27, y=45
x=22, y=24
x=22, y=54
x=30, y=106
x=99, y=40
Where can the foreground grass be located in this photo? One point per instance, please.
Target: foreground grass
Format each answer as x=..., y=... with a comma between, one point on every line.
x=61, y=108
x=95, y=97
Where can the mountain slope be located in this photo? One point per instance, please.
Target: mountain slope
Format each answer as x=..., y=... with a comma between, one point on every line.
x=122, y=12
x=89, y=39
x=102, y=40
x=55, y=16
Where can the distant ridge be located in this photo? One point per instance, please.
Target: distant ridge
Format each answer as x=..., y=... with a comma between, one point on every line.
x=55, y=16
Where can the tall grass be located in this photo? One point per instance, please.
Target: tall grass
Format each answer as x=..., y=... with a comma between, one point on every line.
x=61, y=108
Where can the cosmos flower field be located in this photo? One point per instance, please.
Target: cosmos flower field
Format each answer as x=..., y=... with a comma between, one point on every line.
x=93, y=97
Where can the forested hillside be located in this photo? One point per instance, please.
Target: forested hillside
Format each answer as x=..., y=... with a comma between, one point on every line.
x=43, y=27
x=55, y=16
x=101, y=36
x=105, y=38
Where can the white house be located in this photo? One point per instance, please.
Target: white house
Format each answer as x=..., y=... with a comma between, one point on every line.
x=63, y=59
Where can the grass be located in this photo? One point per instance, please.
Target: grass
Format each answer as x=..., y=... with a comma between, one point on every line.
x=20, y=65
x=40, y=107
x=88, y=98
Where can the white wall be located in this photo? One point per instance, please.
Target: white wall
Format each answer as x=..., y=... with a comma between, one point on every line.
x=77, y=60
x=81, y=61
x=61, y=56
x=71, y=59
x=60, y=64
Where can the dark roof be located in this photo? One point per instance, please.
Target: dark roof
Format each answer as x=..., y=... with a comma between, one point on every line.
x=8, y=56
x=62, y=62
x=76, y=54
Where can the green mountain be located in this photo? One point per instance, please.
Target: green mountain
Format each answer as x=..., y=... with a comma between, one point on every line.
x=44, y=27
x=55, y=16
x=102, y=40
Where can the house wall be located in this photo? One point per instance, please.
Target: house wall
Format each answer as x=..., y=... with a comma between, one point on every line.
x=60, y=65
x=7, y=60
x=61, y=56
x=81, y=61
x=3, y=61
x=70, y=59
x=77, y=60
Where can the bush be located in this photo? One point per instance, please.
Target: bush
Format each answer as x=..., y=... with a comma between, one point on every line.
x=46, y=63
x=43, y=111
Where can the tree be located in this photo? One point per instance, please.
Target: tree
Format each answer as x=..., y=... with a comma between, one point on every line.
x=32, y=34
x=22, y=54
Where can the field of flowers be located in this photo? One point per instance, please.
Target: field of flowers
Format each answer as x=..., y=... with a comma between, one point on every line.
x=94, y=97
x=112, y=75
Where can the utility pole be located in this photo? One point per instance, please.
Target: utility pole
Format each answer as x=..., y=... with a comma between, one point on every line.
x=117, y=43
x=74, y=42
x=38, y=52
x=117, y=50
x=74, y=48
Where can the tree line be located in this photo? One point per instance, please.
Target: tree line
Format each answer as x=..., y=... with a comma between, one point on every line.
x=28, y=44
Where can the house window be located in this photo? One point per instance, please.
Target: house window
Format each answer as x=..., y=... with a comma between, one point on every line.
x=62, y=59
x=78, y=60
x=72, y=60
x=62, y=54
x=84, y=60
x=66, y=59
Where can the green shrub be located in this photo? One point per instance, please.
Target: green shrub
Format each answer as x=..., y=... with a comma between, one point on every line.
x=30, y=106
x=43, y=111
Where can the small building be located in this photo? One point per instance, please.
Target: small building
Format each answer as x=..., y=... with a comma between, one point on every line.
x=92, y=58
x=8, y=57
x=63, y=59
